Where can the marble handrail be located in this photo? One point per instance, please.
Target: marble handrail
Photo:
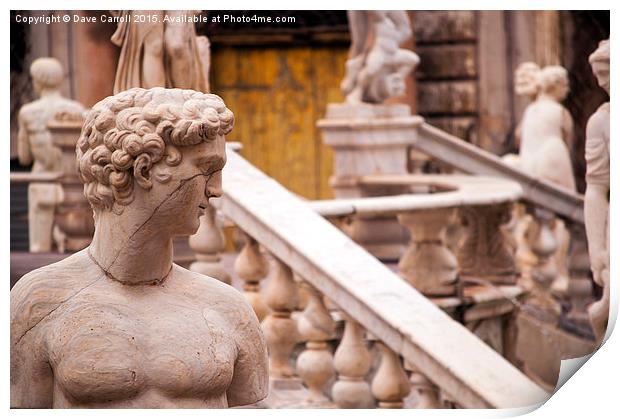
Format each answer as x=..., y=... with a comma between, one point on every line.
x=459, y=191
x=474, y=160
x=459, y=363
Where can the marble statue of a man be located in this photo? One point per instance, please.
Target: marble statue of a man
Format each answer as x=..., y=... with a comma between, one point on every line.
x=35, y=144
x=160, y=48
x=118, y=324
x=377, y=67
x=596, y=201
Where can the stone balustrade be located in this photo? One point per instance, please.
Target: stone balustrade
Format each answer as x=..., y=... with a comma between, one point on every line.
x=388, y=325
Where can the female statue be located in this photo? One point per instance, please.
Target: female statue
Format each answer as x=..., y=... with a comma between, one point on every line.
x=596, y=201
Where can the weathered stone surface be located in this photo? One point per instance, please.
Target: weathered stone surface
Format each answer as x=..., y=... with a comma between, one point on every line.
x=444, y=97
x=465, y=127
x=442, y=26
x=447, y=61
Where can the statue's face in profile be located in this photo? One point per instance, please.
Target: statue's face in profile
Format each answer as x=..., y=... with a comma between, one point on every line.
x=560, y=90
x=601, y=72
x=179, y=202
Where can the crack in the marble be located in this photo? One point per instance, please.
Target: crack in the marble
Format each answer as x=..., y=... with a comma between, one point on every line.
x=56, y=308
x=182, y=183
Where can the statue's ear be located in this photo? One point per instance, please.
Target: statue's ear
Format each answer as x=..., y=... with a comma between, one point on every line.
x=142, y=171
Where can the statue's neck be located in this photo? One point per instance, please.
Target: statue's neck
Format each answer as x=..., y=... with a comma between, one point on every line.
x=48, y=93
x=131, y=253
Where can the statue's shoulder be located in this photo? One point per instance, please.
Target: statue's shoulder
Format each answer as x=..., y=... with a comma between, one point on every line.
x=63, y=104
x=598, y=121
x=31, y=109
x=40, y=292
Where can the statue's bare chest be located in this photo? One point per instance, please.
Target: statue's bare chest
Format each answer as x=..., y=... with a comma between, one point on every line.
x=104, y=348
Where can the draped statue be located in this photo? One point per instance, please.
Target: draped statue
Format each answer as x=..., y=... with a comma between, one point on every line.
x=159, y=48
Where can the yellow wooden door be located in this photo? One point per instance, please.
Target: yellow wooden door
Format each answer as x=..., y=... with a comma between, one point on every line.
x=277, y=95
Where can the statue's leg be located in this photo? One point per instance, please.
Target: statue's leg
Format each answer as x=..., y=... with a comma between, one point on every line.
x=372, y=66
x=178, y=44
x=153, y=69
x=405, y=61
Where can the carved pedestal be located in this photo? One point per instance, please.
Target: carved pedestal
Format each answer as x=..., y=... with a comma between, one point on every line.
x=369, y=139
x=74, y=216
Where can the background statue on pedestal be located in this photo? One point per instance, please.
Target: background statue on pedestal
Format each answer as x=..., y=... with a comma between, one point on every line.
x=377, y=66
x=155, y=53
x=35, y=144
x=596, y=201
x=545, y=134
x=117, y=324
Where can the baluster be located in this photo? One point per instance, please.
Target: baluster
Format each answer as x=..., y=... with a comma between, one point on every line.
x=561, y=283
x=251, y=266
x=390, y=384
x=542, y=241
x=428, y=264
x=208, y=242
x=427, y=393
x=315, y=365
x=279, y=329
x=352, y=362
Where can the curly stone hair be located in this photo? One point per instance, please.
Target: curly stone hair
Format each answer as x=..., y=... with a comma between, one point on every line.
x=126, y=134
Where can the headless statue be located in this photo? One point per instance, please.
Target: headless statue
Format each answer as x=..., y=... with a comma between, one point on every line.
x=118, y=324
x=377, y=67
x=596, y=201
x=35, y=144
x=158, y=53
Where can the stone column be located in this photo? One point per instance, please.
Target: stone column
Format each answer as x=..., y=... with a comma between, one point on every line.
x=426, y=393
x=543, y=243
x=315, y=365
x=352, y=362
x=428, y=264
x=208, y=242
x=279, y=329
x=251, y=266
x=390, y=384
